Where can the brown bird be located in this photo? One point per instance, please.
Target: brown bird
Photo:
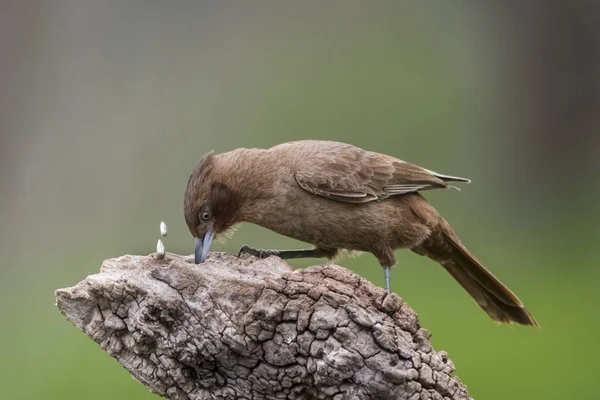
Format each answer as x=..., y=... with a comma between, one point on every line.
x=337, y=197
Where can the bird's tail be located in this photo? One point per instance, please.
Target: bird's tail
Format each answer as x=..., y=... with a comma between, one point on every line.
x=498, y=301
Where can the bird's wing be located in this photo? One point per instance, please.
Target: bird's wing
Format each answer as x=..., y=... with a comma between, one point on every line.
x=349, y=174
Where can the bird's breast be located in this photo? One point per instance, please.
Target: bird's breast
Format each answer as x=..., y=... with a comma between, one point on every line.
x=328, y=223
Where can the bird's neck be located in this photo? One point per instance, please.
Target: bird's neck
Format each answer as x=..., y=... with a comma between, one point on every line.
x=251, y=175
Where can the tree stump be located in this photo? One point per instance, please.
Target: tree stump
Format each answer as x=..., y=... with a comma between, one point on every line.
x=249, y=328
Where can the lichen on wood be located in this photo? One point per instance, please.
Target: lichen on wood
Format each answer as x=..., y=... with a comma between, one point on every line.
x=248, y=328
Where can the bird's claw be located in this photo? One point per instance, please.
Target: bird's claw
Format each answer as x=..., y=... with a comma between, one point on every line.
x=243, y=249
x=260, y=253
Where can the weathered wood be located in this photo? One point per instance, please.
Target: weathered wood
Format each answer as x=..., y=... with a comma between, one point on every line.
x=245, y=328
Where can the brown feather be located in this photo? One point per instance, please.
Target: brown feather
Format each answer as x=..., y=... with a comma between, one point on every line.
x=497, y=300
x=350, y=174
x=191, y=204
x=224, y=204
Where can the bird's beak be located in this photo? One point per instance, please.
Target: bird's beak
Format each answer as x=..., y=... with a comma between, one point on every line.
x=202, y=247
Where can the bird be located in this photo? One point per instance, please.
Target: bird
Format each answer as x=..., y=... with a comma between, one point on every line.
x=339, y=198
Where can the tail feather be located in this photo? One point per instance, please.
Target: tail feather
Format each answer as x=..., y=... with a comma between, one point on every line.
x=449, y=178
x=497, y=300
x=471, y=266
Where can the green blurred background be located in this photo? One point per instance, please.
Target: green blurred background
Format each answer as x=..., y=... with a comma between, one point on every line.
x=105, y=106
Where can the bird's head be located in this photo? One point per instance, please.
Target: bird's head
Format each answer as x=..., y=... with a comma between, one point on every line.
x=209, y=205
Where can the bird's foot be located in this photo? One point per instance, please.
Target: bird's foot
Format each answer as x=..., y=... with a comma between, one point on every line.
x=260, y=253
x=388, y=285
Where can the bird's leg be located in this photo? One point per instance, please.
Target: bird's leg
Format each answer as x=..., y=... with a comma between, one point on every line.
x=388, y=274
x=287, y=254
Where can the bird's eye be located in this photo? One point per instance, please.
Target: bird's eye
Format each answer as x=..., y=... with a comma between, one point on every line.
x=205, y=216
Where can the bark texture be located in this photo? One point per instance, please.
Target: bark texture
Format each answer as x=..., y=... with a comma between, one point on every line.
x=245, y=328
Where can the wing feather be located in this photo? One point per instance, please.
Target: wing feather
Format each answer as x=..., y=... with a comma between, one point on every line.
x=349, y=174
